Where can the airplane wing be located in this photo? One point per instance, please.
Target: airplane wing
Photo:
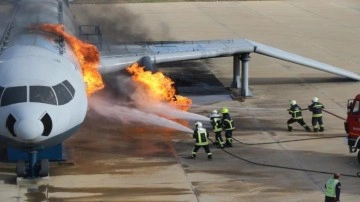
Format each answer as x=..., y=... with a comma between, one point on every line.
x=117, y=57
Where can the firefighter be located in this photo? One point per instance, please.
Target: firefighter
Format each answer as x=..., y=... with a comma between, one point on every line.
x=201, y=140
x=228, y=125
x=332, y=189
x=296, y=116
x=215, y=121
x=316, y=108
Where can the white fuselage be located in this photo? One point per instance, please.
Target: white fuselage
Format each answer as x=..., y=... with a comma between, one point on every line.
x=42, y=94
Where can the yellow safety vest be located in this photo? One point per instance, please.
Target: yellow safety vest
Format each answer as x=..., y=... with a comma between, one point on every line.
x=330, y=187
x=201, y=137
x=216, y=123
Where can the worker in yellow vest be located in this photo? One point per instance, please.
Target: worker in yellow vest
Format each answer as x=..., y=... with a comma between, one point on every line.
x=332, y=189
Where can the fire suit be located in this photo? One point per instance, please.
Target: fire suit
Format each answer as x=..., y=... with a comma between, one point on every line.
x=201, y=140
x=228, y=125
x=296, y=116
x=215, y=121
x=316, y=120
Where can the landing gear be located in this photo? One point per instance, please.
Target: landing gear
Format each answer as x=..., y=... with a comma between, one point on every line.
x=34, y=162
x=41, y=169
x=44, y=168
x=21, y=169
x=32, y=168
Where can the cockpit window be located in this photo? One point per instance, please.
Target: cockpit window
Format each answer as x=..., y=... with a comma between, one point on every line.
x=69, y=87
x=62, y=93
x=59, y=94
x=13, y=95
x=42, y=94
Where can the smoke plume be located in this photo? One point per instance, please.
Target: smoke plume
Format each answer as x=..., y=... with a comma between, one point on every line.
x=123, y=100
x=130, y=104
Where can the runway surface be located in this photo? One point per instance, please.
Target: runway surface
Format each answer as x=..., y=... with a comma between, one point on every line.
x=110, y=161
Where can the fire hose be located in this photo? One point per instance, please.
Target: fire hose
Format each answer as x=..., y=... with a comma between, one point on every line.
x=285, y=167
x=282, y=167
x=334, y=115
x=329, y=113
x=358, y=173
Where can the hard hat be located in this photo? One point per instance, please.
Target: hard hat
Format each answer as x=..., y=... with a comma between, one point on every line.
x=198, y=124
x=293, y=102
x=224, y=110
x=315, y=99
x=214, y=112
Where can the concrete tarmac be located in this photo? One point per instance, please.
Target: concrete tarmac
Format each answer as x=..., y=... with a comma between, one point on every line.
x=109, y=161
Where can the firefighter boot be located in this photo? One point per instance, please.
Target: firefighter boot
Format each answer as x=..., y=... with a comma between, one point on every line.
x=192, y=156
x=209, y=156
x=322, y=129
x=290, y=129
x=228, y=142
x=307, y=129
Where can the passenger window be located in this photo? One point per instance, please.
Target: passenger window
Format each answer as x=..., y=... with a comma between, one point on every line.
x=62, y=93
x=42, y=94
x=13, y=95
x=69, y=87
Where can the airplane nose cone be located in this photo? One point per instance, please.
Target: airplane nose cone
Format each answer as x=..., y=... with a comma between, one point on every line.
x=29, y=129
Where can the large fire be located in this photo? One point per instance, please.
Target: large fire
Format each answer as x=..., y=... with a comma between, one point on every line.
x=158, y=86
x=87, y=55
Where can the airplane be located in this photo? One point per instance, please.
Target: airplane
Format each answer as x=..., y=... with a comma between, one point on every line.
x=43, y=96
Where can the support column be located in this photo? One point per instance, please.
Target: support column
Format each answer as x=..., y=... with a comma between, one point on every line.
x=244, y=90
x=32, y=163
x=236, y=72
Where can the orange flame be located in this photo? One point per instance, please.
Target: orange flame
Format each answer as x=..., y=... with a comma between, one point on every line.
x=87, y=55
x=158, y=86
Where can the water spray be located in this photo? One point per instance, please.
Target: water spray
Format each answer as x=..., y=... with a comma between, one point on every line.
x=128, y=115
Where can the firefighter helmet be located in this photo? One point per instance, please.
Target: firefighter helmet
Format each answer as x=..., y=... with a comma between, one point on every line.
x=214, y=112
x=198, y=124
x=315, y=99
x=293, y=102
x=224, y=110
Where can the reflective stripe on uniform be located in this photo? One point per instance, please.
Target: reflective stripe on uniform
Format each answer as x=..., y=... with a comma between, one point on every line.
x=330, y=187
x=230, y=125
x=296, y=114
x=201, y=137
x=316, y=108
x=216, y=121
